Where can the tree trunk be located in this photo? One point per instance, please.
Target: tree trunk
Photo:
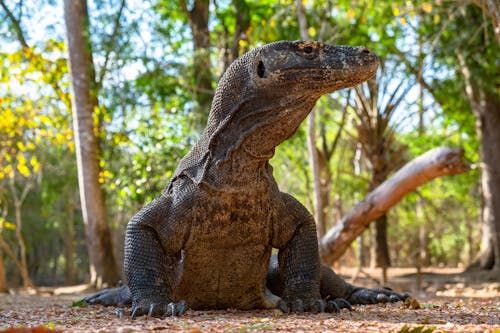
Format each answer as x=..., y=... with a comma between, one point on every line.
x=3, y=280
x=423, y=255
x=22, y=247
x=380, y=249
x=198, y=21
x=69, y=248
x=382, y=258
x=486, y=107
x=84, y=100
x=434, y=163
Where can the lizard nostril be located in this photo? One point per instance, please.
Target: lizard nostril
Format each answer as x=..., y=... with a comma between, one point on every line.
x=365, y=51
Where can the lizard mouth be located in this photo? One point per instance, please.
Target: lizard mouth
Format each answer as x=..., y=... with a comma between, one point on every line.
x=315, y=81
x=325, y=66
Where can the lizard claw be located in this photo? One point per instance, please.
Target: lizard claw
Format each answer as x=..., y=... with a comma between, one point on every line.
x=176, y=309
x=338, y=304
x=162, y=309
x=138, y=311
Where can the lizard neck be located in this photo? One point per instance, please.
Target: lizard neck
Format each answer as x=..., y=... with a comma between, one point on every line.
x=234, y=152
x=245, y=141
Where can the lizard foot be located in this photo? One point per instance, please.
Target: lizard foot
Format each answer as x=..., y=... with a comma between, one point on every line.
x=161, y=309
x=110, y=297
x=374, y=296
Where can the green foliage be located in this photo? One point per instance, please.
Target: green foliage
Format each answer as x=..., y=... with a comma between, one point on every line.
x=78, y=304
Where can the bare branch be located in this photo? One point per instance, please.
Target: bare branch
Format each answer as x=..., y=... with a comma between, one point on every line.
x=432, y=164
x=301, y=15
x=16, y=23
x=8, y=251
x=111, y=44
x=333, y=146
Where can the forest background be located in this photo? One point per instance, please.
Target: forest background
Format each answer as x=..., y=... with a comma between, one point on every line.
x=151, y=69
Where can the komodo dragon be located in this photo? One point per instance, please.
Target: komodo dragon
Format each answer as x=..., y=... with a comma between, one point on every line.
x=206, y=241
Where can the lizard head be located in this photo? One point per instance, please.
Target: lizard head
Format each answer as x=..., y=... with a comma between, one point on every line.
x=310, y=69
x=265, y=94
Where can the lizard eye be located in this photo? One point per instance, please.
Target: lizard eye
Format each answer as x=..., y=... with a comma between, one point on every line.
x=308, y=49
x=261, y=69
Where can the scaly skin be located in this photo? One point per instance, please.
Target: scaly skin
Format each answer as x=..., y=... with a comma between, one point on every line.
x=207, y=240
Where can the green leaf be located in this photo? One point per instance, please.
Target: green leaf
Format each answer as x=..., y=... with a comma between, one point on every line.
x=79, y=304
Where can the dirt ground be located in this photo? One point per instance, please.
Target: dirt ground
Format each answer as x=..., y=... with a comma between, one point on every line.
x=450, y=302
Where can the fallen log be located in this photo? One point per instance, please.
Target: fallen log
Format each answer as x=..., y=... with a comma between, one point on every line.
x=434, y=163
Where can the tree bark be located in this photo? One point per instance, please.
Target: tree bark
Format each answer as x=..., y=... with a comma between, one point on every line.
x=3, y=280
x=382, y=258
x=84, y=100
x=379, y=256
x=22, y=248
x=69, y=248
x=434, y=163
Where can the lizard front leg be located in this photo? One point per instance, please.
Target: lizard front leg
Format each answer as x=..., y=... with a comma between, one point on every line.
x=152, y=241
x=298, y=258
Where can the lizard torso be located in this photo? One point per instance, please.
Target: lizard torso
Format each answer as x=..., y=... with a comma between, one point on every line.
x=226, y=256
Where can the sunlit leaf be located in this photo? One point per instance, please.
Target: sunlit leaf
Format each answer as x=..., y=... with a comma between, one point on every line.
x=20, y=145
x=395, y=11
x=427, y=7
x=4, y=224
x=351, y=14
x=23, y=170
x=35, y=164
x=312, y=31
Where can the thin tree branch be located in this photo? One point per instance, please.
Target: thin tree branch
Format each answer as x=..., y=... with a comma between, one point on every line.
x=7, y=250
x=110, y=45
x=333, y=146
x=16, y=24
